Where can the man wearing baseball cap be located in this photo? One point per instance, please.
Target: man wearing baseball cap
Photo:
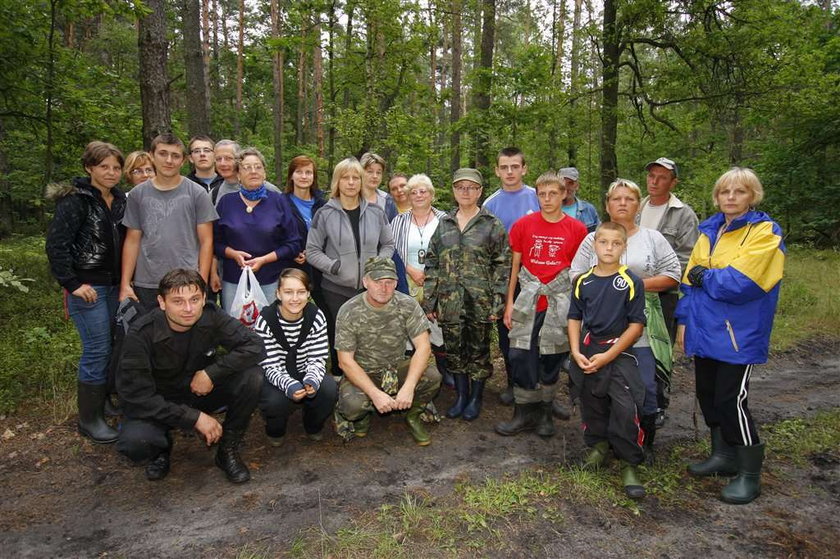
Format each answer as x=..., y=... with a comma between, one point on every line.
x=663, y=211
x=372, y=329
x=573, y=206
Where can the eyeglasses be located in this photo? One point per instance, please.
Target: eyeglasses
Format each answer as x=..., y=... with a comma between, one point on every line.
x=466, y=188
x=418, y=192
x=146, y=171
x=224, y=159
x=252, y=168
x=198, y=151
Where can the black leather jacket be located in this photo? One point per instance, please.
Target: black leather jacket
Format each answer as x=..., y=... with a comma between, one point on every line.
x=84, y=239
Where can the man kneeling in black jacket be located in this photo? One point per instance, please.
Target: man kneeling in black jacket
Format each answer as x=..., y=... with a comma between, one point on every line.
x=170, y=376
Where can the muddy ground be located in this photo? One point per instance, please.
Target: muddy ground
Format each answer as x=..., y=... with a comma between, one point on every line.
x=61, y=496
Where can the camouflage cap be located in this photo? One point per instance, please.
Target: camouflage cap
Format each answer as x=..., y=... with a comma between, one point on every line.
x=380, y=267
x=467, y=174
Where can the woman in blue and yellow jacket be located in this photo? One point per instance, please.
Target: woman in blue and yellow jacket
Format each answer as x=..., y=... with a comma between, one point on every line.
x=730, y=291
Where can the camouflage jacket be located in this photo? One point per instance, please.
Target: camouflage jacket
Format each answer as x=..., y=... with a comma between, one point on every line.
x=474, y=263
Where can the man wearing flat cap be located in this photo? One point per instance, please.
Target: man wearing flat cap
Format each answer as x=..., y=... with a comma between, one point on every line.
x=573, y=206
x=372, y=330
x=663, y=211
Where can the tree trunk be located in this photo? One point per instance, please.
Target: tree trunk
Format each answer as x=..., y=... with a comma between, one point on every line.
x=154, y=80
x=318, y=81
x=205, y=52
x=558, y=30
x=574, y=76
x=240, y=69
x=6, y=224
x=198, y=106
x=331, y=86
x=455, y=106
x=609, y=104
x=484, y=82
x=300, y=126
x=49, y=94
x=277, y=79
x=348, y=45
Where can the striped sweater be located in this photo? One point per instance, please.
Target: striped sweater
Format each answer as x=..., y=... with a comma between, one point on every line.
x=312, y=354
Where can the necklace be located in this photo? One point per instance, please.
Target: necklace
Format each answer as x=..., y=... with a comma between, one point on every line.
x=248, y=207
x=421, y=252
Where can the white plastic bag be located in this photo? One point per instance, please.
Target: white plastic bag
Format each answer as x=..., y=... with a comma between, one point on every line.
x=248, y=300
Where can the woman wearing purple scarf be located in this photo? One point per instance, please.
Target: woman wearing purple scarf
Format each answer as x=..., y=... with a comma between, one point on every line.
x=256, y=228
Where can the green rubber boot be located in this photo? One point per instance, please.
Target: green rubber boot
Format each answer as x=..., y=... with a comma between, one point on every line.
x=361, y=426
x=722, y=461
x=633, y=488
x=415, y=424
x=747, y=485
x=597, y=456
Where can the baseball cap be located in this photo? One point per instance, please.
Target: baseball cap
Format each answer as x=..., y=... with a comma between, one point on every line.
x=465, y=173
x=664, y=162
x=569, y=173
x=380, y=267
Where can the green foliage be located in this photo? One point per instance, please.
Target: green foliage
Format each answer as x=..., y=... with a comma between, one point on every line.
x=797, y=440
x=9, y=280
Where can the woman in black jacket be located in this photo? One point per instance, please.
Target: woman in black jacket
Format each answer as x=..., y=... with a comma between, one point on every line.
x=83, y=246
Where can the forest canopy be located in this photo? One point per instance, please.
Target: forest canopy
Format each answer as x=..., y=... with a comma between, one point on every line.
x=436, y=84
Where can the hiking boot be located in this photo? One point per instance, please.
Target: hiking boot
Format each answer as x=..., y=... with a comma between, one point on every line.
x=747, y=484
x=597, y=456
x=228, y=460
x=722, y=461
x=633, y=488
x=473, y=407
x=415, y=425
x=157, y=469
x=525, y=418
x=462, y=387
x=545, y=423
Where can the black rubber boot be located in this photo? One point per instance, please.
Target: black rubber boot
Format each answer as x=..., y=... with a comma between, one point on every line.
x=648, y=425
x=91, y=399
x=506, y=397
x=462, y=386
x=747, y=485
x=560, y=411
x=525, y=418
x=473, y=407
x=721, y=462
x=227, y=458
x=545, y=423
x=633, y=488
x=111, y=409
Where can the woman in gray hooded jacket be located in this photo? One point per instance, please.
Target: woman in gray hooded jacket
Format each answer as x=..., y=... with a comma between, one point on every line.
x=344, y=234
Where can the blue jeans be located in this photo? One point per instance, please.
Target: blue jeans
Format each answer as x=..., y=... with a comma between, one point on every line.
x=94, y=321
x=229, y=292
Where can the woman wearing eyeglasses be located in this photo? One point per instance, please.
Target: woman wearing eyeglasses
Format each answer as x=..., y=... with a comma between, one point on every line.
x=467, y=270
x=256, y=228
x=139, y=167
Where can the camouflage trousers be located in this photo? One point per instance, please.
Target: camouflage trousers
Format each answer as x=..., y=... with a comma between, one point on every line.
x=354, y=405
x=467, y=345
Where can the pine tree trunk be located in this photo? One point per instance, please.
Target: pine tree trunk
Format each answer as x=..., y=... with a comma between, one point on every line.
x=154, y=81
x=240, y=70
x=300, y=126
x=609, y=104
x=198, y=105
x=455, y=106
x=574, y=86
x=318, y=82
x=277, y=79
x=484, y=82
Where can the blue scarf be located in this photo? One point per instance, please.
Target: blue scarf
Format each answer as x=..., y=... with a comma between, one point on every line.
x=254, y=195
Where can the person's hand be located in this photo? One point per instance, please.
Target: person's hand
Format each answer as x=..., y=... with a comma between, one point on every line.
x=681, y=337
x=508, y=318
x=209, y=428
x=256, y=263
x=492, y=318
x=127, y=293
x=431, y=315
x=301, y=258
x=583, y=362
x=417, y=275
x=240, y=257
x=310, y=390
x=215, y=280
x=382, y=402
x=299, y=395
x=597, y=361
x=86, y=292
x=201, y=384
x=404, y=399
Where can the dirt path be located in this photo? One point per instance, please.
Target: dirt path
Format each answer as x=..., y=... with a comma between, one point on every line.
x=61, y=496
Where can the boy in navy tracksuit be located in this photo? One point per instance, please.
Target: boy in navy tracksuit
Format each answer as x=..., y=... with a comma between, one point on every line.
x=606, y=316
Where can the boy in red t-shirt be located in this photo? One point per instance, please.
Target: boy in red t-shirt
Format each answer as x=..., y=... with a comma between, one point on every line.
x=543, y=246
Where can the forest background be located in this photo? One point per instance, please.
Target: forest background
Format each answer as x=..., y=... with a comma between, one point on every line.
x=433, y=85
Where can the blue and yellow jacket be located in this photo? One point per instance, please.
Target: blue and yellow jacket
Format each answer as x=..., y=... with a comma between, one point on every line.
x=729, y=318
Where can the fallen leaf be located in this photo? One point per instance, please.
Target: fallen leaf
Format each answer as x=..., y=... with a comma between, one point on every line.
x=8, y=434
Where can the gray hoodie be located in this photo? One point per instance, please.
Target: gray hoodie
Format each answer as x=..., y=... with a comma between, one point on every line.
x=331, y=246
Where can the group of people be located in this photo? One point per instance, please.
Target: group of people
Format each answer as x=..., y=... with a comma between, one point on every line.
x=398, y=297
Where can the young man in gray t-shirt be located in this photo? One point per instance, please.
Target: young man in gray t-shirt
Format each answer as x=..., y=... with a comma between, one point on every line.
x=169, y=221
